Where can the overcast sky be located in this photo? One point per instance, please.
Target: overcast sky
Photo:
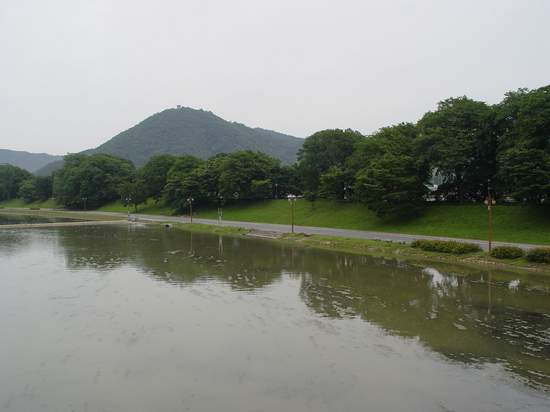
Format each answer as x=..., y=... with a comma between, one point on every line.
x=75, y=73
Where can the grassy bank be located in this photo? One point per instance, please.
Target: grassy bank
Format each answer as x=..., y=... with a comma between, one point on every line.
x=47, y=204
x=401, y=252
x=150, y=208
x=62, y=213
x=523, y=224
x=517, y=223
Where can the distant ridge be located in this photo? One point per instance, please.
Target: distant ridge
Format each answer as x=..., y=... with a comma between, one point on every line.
x=200, y=133
x=25, y=160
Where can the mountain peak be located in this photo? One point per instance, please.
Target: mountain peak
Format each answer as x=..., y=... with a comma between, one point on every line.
x=197, y=132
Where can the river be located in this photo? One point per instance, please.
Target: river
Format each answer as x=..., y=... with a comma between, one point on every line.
x=144, y=318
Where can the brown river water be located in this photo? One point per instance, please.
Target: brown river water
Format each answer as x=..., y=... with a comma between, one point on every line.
x=139, y=318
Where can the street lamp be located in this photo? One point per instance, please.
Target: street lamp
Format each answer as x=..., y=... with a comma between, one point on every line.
x=276, y=190
x=190, y=200
x=220, y=207
x=128, y=200
x=346, y=188
x=292, y=201
x=84, y=201
x=490, y=202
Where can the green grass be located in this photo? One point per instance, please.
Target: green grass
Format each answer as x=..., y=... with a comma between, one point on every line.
x=518, y=223
x=150, y=208
x=48, y=204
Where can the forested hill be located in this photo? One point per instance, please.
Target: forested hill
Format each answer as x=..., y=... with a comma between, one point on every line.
x=194, y=132
x=26, y=160
x=198, y=133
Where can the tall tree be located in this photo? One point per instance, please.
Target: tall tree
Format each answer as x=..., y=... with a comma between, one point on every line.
x=524, y=144
x=176, y=192
x=459, y=141
x=323, y=150
x=36, y=188
x=244, y=174
x=90, y=181
x=11, y=178
x=391, y=176
x=154, y=174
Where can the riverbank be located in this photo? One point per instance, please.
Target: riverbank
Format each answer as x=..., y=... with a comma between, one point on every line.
x=512, y=223
x=375, y=248
x=389, y=250
x=53, y=213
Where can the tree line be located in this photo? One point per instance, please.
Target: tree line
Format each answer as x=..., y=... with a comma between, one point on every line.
x=456, y=153
x=459, y=152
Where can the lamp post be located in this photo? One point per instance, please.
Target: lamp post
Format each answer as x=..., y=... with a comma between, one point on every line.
x=190, y=201
x=128, y=200
x=490, y=202
x=292, y=201
x=220, y=207
x=276, y=190
x=346, y=188
x=84, y=201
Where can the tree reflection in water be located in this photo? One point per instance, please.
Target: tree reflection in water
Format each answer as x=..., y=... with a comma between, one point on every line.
x=482, y=317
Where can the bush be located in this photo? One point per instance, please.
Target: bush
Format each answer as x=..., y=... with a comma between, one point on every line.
x=446, y=246
x=507, y=252
x=539, y=255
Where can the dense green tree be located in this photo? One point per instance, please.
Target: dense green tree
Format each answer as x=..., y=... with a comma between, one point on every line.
x=36, y=188
x=154, y=174
x=287, y=180
x=177, y=188
x=90, y=181
x=459, y=141
x=524, y=144
x=525, y=173
x=238, y=170
x=323, y=150
x=335, y=183
x=11, y=178
x=133, y=192
x=392, y=176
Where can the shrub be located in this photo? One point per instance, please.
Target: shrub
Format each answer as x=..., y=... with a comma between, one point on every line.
x=446, y=246
x=507, y=252
x=539, y=255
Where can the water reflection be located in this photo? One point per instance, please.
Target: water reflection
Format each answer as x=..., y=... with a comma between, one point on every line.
x=476, y=319
x=466, y=318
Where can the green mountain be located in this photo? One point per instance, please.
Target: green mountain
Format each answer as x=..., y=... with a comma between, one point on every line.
x=26, y=160
x=196, y=132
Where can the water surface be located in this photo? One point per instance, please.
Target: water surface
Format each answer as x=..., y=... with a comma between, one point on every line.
x=148, y=319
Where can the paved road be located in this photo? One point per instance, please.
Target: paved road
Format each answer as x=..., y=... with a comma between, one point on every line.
x=311, y=230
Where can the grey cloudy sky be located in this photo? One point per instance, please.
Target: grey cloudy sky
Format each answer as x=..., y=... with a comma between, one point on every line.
x=74, y=73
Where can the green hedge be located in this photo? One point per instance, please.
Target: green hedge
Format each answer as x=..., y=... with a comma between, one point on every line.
x=446, y=246
x=539, y=255
x=507, y=252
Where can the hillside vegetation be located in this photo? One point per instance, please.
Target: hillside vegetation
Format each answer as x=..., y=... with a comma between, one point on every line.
x=192, y=132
